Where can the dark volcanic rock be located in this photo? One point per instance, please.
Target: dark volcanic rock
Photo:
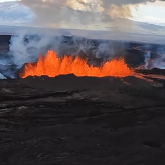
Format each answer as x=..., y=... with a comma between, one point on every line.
x=70, y=82
x=155, y=71
x=5, y=39
x=81, y=120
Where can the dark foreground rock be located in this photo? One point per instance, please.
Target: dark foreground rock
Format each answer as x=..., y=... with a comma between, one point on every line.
x=82, y=121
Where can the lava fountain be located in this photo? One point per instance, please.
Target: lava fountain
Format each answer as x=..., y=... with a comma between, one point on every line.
x=53, y=66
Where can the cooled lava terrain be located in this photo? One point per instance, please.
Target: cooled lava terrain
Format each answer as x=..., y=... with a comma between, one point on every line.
x=82, y=120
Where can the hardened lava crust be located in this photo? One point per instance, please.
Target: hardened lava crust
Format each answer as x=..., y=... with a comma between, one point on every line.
x=81, y=120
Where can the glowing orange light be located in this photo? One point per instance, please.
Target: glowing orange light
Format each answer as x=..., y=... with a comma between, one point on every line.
x=52, y=66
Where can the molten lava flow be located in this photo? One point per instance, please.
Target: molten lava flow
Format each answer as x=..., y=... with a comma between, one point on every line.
x=52, y=66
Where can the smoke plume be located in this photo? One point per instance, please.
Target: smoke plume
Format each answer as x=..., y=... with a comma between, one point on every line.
x=78, y=13
x=27, y=46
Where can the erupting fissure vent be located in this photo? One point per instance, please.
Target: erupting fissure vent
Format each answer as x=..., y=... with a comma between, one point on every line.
x=52, y=66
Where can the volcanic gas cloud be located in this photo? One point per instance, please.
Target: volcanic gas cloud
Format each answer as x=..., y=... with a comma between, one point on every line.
x=52, y=66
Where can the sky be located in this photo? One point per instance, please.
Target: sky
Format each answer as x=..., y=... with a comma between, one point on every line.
x=81, y=14
x=150, y=12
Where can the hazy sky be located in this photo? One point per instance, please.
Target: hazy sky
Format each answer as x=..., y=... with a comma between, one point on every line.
x=26, y=12
x=149, y=12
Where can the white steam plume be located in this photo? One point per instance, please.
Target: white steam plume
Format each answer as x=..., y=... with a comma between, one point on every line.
x=150, y=63
x=27, y=46
x=154, y=57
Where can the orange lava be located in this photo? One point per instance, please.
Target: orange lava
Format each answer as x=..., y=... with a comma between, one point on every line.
x=52, y=66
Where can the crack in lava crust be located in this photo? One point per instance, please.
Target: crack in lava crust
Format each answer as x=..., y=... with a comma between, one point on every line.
x=53, y=66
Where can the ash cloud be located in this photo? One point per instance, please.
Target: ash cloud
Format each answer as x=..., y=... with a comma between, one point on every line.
x=104, y=2
x=78, y=13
